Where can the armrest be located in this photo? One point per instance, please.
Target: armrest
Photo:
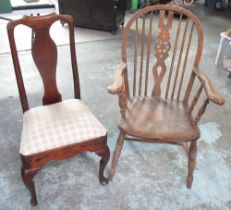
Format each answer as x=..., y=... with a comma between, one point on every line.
x=209, y=89
x=117, y=86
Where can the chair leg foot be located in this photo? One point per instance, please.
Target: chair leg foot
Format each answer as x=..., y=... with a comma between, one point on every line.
x=189, y=182
x=116, y=154
x=105, y=154
x=191, y=162
x=27, y=177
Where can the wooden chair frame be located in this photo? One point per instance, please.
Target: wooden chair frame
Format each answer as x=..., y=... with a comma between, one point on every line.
x=45, y=61
x=121, y=85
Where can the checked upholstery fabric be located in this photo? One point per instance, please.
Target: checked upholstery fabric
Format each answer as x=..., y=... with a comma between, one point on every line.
x=58, y=125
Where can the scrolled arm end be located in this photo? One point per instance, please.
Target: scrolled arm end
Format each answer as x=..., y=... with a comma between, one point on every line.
x=209, y=89
x=117, y=86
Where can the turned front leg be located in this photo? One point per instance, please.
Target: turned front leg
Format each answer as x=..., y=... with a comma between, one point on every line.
x=116, y=154
x=191, y=162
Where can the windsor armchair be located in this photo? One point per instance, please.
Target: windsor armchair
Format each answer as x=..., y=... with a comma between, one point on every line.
x=169, y=94
x=60, y=128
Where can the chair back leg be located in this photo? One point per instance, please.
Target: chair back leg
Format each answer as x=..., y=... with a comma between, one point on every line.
x=116, y=154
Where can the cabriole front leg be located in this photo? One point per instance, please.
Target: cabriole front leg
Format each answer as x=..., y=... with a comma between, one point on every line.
x=27, y=177
x=105, y=154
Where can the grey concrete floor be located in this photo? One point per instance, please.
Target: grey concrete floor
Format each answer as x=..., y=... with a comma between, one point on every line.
x=149, y=176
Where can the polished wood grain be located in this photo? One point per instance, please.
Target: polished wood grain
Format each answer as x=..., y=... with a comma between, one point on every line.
x=166, y=109
x=46, y=61
x=44, y=53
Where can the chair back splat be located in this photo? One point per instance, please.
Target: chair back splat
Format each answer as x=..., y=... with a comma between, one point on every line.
x=161, y=37
x=44, y=53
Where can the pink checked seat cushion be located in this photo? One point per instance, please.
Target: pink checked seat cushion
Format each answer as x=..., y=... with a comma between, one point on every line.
x=58, y=125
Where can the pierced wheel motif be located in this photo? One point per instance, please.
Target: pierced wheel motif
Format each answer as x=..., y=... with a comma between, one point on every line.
x=162, y=47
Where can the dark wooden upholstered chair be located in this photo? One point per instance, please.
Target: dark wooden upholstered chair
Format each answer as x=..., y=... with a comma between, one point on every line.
x=59, y=129
x=162, y=93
